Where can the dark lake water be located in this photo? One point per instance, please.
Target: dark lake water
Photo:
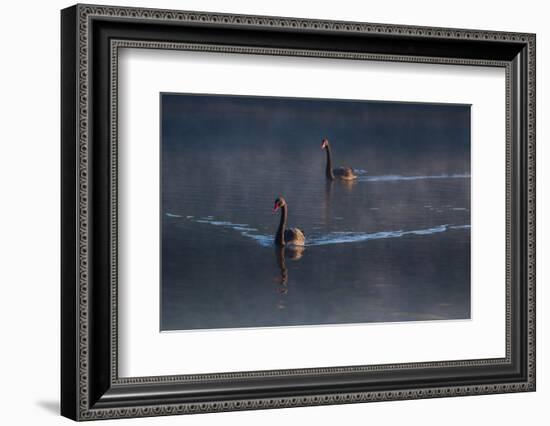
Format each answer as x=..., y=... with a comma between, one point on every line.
x=394, y=245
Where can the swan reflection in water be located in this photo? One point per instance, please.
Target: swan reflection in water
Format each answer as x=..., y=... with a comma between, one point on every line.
x=344, y=185
x=282, y=253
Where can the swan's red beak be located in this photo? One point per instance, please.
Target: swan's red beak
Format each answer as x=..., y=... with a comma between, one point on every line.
x=324, y=144
x=275, y=208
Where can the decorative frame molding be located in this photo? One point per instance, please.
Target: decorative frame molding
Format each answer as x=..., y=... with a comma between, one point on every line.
x=91, y=388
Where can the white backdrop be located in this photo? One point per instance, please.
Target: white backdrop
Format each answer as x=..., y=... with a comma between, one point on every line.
x=29, y=213
x=146, y=352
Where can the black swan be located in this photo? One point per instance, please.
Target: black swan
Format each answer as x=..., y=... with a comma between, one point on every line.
x=344, y=173
x=285, y=236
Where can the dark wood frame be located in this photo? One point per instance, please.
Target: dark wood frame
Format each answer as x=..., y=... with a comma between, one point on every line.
x=91, y=37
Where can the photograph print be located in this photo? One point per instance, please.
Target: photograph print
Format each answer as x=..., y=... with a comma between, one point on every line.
x=279, y=212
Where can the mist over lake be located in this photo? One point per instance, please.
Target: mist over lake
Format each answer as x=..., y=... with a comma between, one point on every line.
x=391, y=245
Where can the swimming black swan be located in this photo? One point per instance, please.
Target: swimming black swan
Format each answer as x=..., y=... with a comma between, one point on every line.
x=285, y=236
x=344, y=173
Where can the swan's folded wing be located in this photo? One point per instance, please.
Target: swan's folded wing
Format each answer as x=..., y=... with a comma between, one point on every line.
x=295, y=236
x=344, y=172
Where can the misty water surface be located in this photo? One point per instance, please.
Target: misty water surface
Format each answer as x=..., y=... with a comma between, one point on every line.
x=392, y=246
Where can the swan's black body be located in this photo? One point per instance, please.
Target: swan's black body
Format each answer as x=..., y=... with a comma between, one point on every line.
x=344, y=173
x=283, y=235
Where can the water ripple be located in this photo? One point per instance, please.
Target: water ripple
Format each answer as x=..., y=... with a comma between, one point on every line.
x=336, y=237
x=355, y=237
x=391, y=178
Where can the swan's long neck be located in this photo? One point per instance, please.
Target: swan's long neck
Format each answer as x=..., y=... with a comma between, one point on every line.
x=328, y=172
x=280, y=235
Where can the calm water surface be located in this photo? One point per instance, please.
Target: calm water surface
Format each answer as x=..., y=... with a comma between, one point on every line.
x=392, y=246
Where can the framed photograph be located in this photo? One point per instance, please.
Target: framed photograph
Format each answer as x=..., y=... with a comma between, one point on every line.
x=264, y=212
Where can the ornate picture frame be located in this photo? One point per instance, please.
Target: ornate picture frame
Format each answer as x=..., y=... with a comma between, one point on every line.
x=91, y=37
